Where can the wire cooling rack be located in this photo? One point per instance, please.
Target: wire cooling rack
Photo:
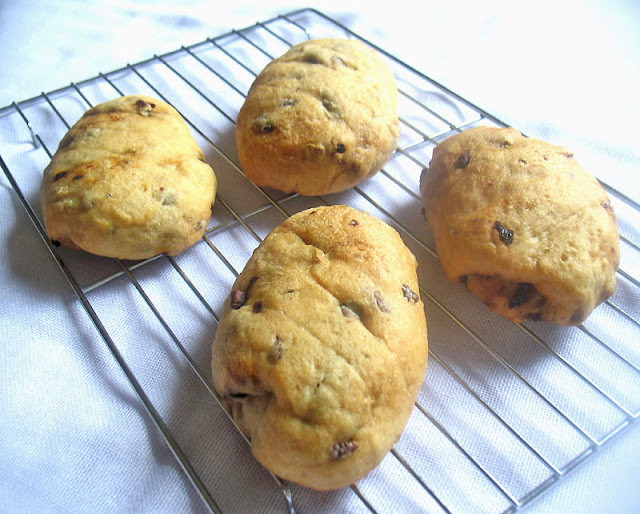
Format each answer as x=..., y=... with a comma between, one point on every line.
x=506, y=410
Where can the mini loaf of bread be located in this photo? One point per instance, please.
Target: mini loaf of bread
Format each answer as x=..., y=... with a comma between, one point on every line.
x=322, y=346
x=128, y=181
x=319, y=119
x=529, y=231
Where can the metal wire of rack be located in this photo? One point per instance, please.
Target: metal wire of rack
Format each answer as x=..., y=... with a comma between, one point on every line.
x=528, y=433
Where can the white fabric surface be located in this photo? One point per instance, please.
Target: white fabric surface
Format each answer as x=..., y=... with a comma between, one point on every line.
x=74, y=438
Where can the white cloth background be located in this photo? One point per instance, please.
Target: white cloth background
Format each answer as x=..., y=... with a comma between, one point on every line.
x=562, y=70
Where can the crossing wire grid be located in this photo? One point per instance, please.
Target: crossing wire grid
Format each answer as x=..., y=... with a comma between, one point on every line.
x=506, y=410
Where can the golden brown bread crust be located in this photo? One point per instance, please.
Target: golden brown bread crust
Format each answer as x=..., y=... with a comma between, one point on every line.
x=128, y=181
x=319, y=119
x=322, y=346
x=522, y=223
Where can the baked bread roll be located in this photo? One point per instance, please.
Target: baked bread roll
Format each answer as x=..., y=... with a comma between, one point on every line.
x=128, y=181
x=322, y=346
x=529, y=231
x=319, y=119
